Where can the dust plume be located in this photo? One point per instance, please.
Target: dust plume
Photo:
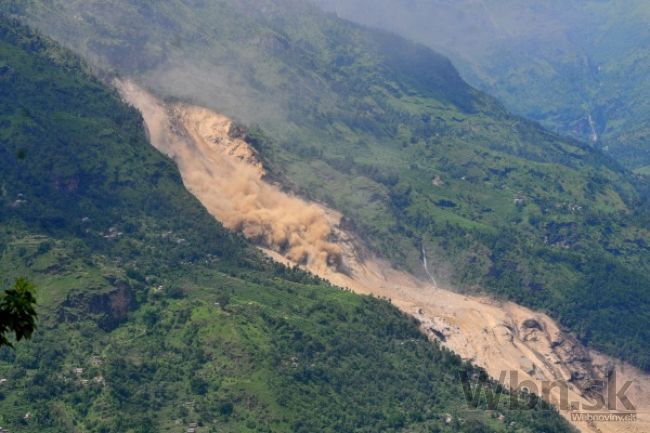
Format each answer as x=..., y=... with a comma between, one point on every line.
x=225, y=174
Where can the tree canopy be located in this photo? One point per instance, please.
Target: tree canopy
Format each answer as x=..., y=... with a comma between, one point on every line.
x=17, y=312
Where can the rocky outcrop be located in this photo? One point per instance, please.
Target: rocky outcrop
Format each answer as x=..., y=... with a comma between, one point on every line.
x=108, y=307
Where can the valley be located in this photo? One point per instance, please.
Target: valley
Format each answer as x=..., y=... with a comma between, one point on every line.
x=387, y=132
x=154, y=318
x=254, y=216
x=578, y=67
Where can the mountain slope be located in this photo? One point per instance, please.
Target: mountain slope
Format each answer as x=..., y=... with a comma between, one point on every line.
x=386, y=132
x=221, y=169
x=579, y=67
x=153, y=317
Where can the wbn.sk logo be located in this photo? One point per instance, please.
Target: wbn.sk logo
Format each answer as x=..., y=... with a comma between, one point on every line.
x=606, y=396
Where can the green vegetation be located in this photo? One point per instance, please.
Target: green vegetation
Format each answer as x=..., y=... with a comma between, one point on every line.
x=17, y=312
x=388, y=133
x=153, y=317
x=579, y=67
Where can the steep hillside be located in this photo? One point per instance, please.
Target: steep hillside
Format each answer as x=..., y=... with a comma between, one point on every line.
x=385, y=131
x=221, y=169
x=153, y=317
x=579, y=67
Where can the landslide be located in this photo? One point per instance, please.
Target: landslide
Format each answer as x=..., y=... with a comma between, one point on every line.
x=226, y=174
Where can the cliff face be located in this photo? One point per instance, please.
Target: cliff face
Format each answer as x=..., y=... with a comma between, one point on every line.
x=108, y=308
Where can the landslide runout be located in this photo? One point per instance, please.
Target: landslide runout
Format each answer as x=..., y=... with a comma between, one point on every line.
x=224, y=172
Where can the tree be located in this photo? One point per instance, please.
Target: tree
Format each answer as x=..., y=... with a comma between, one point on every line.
x=17, y=312
x=223, y=299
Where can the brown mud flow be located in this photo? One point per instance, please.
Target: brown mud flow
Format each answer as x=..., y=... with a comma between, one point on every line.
x=224, y=172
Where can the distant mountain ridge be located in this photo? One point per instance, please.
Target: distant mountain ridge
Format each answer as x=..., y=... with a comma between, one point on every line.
x=579, y=67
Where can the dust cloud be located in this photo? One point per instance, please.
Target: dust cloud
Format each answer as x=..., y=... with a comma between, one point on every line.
x=226, y=175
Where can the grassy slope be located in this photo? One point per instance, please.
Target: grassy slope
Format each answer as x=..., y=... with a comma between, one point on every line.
x=386, y=131
x=281, y=352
